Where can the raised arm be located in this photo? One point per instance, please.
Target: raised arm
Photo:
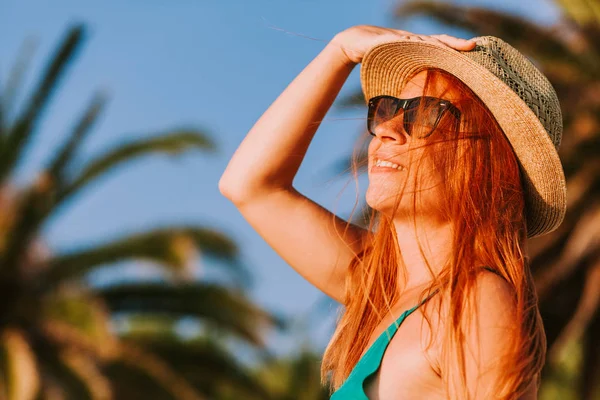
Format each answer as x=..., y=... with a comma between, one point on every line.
x=258, y=179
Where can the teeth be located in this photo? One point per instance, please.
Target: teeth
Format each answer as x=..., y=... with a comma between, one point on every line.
x=381, y=163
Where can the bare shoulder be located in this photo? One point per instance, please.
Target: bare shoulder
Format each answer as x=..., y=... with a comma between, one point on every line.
x=491, y=297
x=494, y=297
x=488, y=325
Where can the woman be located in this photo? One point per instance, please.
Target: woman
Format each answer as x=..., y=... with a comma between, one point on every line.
x=462, y=169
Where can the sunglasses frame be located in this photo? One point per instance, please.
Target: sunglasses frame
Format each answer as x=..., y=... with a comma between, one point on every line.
x=402, y=103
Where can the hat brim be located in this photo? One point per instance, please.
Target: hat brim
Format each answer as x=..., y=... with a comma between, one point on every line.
x=385, y=69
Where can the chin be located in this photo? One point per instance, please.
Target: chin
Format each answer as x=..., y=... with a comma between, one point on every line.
x=388, y=205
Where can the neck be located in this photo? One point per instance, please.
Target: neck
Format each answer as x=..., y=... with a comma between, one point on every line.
x=425, y=248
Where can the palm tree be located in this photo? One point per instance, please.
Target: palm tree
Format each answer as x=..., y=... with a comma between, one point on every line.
x=295, y=377
x=59, y=336
x=566, y=263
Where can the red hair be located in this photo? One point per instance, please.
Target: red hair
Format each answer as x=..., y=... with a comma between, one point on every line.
x=483, y=198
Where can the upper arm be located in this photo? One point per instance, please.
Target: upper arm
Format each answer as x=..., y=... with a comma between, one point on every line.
x=489, y=333
x=312, y=240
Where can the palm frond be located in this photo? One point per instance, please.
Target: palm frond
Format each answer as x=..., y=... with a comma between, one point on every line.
x=22, y=131
x=133, y=357
x=582, y=243
x=14, y=82
x=21, y=374
x=130, y=382
x=171, y=247
x=294, y=377
x=62, y=157
x=538, y=41
x=172, y=143
x=211, y=303
x=40, y=200
x=306, y=382
x=34, y=205
x=207, y=366
x=72, y=374
x=584, y=314
x=78, y=320
x=87, y=372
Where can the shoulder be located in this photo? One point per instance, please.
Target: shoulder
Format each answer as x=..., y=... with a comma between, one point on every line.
x=492, y=297
x=488, y=327
x=489, y=321
x=489, y=296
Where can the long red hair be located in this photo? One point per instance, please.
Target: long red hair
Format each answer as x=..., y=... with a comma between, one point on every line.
x=483, y=198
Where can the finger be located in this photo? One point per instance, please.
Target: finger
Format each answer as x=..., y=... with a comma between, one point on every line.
x=434, y=40
x=456, y=43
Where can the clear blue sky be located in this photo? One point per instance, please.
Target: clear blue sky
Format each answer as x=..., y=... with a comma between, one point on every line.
x=217, y=65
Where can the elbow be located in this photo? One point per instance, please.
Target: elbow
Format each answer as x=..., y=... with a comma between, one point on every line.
x=229, y=190
x=236, y=191
x=242, y=192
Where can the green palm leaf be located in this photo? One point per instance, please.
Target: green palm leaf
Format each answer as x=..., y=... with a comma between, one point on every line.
x=171, y=248
x=133, y=359
x=32, y=207
x=13, y=83
x=296, y=377
x=172, y=143
x=207, y=366
x=71, y=374
x=130, y=382
x=93, y=384
x=40, y=201
x=78, y=320
x=57, y=341
x=83, y=127
x=22, y=131
x=220, y=307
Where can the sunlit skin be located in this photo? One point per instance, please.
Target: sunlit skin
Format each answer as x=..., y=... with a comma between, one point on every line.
x=425, y=226
x=322, y=248
x=434, y=232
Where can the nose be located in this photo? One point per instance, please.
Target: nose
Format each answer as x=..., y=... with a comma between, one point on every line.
x=391, y=132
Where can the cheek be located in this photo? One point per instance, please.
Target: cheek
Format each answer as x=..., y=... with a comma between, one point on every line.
x=373, y=146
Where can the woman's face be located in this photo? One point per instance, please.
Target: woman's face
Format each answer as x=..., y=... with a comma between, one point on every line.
x=416, y=172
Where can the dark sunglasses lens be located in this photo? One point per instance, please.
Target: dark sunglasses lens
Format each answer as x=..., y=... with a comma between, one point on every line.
x=423, y=116
x=380, y=110
x=420, y=118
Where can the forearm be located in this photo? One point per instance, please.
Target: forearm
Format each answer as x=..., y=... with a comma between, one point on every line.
x=272, y=151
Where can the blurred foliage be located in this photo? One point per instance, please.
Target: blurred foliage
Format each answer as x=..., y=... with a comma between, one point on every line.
x=61, y=338
x=566, y=263
x=296, y=378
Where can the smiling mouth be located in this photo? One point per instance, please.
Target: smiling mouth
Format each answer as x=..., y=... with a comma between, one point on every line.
x=387, y=164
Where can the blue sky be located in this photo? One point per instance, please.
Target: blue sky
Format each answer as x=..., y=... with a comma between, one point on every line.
x=215, y=65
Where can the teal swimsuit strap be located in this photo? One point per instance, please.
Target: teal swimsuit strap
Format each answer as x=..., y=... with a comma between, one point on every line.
x=368, y=364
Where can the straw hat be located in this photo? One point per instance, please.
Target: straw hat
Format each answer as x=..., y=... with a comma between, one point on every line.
x=519, y=96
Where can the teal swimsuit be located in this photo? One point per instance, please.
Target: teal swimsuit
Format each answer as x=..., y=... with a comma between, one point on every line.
x=368, y=364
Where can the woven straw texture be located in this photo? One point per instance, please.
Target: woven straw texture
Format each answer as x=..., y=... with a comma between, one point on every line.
x=518, y=95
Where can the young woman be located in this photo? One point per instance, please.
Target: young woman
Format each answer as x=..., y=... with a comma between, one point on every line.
x=462, y=169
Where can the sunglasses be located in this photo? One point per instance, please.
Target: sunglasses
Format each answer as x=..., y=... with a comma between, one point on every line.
x=421, y=116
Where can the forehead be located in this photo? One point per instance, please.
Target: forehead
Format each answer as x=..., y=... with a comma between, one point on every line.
x=438, y=87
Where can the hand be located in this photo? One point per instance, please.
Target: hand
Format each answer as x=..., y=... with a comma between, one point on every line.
x=357, y=40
